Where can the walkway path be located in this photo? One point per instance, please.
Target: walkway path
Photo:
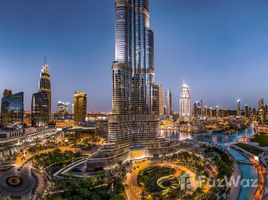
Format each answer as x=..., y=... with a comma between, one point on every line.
x=133, y=191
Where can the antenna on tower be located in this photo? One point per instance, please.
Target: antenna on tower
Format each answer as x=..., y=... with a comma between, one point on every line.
x=45, y=60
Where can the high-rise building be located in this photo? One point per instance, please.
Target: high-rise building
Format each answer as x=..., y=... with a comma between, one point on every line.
x=80, y=107
x=210, y=112
x=45, y=86
x=155, y=101
x=185, y=103
x=250, y=112
x=198, y=109
x=261, y=116
x=206, y=112
x=161, y=100
x=247, y=111
x=238, y=107
x=169, y=102
x=261, y=103
x=133, y=119
x=196, y=104
x=64, y=107
x=12, y=110
x=158, y=107
x=40, y=112
x=202, y=108
x=254, y=111
x=7, y=93
x=134, y=124
x=217, y=111
x=261, y=111
x=64, y=111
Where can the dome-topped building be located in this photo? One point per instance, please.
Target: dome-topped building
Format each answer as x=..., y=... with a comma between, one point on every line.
x=185, y=103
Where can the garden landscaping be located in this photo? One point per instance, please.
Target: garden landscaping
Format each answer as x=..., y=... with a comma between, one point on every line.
x=262, y=139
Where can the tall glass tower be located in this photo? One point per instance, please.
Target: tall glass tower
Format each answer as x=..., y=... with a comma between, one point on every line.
x=133, y=119
x=169, y=102
x=45, y=86
x=12, y=109
x=39, y=106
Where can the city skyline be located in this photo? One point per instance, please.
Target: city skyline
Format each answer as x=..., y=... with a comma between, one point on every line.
x=241, y=47
x=194, y=55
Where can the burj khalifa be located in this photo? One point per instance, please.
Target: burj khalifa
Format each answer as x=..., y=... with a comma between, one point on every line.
x=134, y=117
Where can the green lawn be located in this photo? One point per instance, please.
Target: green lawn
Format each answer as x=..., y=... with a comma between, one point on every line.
x=262, y=139
x=149, y=176
x=255, y=151
x=55, y=157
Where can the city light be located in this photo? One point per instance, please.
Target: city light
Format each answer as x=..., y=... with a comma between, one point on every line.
x=144, y=147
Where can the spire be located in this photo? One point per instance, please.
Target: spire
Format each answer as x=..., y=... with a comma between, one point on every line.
x=45, y=60
x=45, y=66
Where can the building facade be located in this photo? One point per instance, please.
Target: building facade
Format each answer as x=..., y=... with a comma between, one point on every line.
x=45, y=86
x=198, y=109
x=64, y=111
x=161, y=100
x=133, y=119
x=80, y=107
x=261, y=103
x=169, y=102
x=40, y=109
x=217, y=113
x=7, y=93
x=247, y=111
x=12, y=110
x=158, y=107
x=64, y=107
x=185, y=104
x=238, y=107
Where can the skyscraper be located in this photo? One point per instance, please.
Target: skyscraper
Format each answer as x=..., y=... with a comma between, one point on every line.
x=12, y=110
x=198, y=109
x=134, y=123
x=261, y=103
x=64, y=107
x=80, y=107
x=238, y=107
x=217, y=111
x=261, y=110
x=158, y=107
x=64, y=110
x=185, y=103
x=133, y=119
x=7, y=93
x=40, y=115
x=247, y=113
x=206, y=114
x=161, y=100
x=45, y=86
x=210, y=112
x=169, y=102
x=202, y=108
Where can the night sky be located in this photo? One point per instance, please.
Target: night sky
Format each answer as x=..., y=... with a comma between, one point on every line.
x=219, y=47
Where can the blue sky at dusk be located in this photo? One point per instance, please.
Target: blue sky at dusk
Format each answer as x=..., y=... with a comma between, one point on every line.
x=219, y=47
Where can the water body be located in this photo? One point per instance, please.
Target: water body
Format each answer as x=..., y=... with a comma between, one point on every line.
x=236, y=155
x=218, y=138
x=247, y=171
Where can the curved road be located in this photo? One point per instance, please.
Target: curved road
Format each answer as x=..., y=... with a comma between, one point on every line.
x=133, y=191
